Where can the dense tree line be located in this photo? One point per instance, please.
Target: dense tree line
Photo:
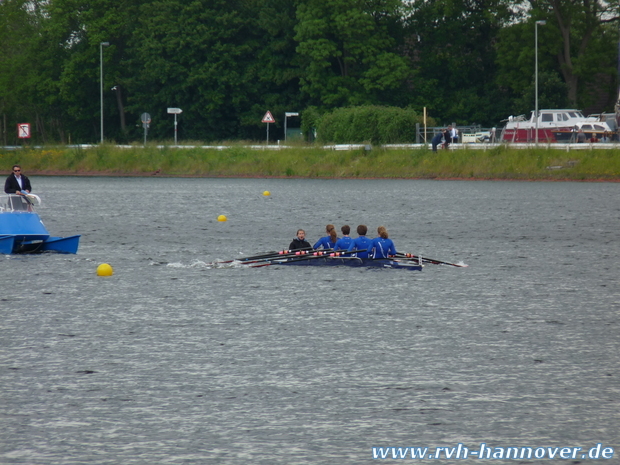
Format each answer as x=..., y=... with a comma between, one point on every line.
x=226, y=62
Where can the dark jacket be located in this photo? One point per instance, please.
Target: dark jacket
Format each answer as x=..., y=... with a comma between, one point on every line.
x=11, y=185
x=297, y=244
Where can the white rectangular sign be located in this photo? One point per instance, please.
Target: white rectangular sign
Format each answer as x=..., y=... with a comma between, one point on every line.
x=23, y=130
x=175, y=111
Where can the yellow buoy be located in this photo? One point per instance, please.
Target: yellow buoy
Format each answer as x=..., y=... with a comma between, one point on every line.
x=266, y=193
x=222, y=218
x=104, y=270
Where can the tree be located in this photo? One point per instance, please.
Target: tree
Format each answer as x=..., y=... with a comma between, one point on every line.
x=221, y=61
x=348, y=52
x=451, y=49
x=579, y=23
x=19, y=60
x=72, y=34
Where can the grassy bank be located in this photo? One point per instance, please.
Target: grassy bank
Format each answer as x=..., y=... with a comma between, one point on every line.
x=307, y=161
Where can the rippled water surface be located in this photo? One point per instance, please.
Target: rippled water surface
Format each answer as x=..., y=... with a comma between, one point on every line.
x=175, y=361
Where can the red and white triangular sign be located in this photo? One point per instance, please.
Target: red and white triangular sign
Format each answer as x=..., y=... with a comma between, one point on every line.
x=268, y=118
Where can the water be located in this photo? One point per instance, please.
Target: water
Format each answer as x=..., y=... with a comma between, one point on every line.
x=174, y=361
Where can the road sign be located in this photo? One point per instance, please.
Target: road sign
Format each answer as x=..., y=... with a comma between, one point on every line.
x=145, y=118
x=268, y=118
x=175, y=112
x=287, y=115
x=23, y=130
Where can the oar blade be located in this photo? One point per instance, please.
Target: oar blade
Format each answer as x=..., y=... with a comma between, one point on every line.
x=432, y=261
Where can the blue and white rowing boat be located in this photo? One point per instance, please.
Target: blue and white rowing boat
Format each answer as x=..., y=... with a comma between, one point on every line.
x=348, y=261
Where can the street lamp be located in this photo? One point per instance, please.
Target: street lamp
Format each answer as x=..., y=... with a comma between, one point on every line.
x=541, y=23
x=101, y=45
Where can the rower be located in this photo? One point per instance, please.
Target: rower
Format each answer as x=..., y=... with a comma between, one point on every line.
x=329, y=241
x=381, y=246
x=361, y=242
x=345, y=241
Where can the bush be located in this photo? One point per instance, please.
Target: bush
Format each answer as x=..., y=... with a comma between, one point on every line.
x=369, y=124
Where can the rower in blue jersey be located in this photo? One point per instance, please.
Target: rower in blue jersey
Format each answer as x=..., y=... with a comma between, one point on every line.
x=382, y=246
x=345, y=241
x=329, y=241
x=361, y=242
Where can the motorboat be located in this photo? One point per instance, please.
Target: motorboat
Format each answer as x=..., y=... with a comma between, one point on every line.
x=553, y=126
x=592, y=130
x=22, y=231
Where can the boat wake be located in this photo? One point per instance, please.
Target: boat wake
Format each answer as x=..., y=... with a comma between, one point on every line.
x=209, y=265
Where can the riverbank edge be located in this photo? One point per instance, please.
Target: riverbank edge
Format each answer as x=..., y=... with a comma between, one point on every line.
x=243, y=176
x=498, y=163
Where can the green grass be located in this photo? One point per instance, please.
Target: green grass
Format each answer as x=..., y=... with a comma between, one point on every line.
x=312, y=161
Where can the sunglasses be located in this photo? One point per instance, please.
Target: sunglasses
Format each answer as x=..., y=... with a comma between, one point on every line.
x=16, y=171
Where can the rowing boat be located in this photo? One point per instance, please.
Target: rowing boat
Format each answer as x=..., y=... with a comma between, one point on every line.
x=347, y=261
x=330, y=257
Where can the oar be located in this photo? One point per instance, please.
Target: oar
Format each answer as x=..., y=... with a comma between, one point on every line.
x=267, y=255
x=283, y=256
x=428, y=260
x=326, y=253
x=322, y=254
x=307, y=256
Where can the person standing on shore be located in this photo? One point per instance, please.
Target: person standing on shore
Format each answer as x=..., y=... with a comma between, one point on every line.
x=447, y=137
x=17, y=183
x=454, y=135
x=436, y=140
x=581, y=137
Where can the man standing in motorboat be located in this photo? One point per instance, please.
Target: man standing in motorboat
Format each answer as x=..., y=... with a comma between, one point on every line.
x=17, y=183
x=300, y=241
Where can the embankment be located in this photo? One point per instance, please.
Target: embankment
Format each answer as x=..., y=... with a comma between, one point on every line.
x=236, y=160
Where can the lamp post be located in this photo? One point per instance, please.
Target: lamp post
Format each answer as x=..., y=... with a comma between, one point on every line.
x=541, y=23
x=101, y=45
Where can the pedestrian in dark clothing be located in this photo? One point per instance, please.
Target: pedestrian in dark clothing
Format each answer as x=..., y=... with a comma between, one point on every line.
x=447, y=137
x=436, y=140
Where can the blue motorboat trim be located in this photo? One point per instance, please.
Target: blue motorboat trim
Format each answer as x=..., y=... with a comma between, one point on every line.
x=352, y=262
x=22, y=231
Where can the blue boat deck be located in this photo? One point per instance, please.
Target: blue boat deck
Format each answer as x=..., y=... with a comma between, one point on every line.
x=22, y=231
